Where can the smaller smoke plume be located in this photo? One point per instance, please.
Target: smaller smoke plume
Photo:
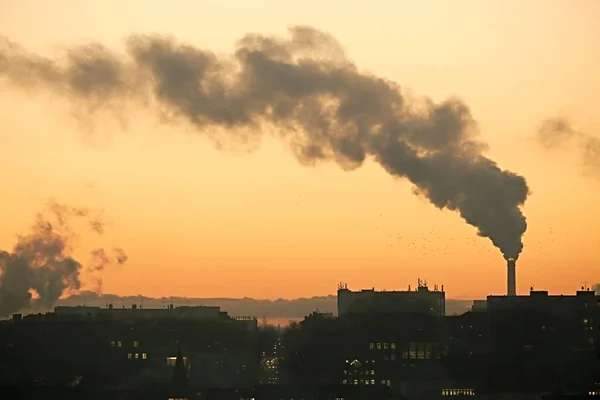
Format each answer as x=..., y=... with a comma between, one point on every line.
x=99, y=260
x=120, y=255
x=559, y=133
x=40, y=268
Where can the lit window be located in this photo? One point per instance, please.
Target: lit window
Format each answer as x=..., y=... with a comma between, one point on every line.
x=344, y=381
x=137, y=356
x=388, y=383
x=144, y=356
x=136, y=343
x=129, y=356
x=385, y=346
x=119, y=344
x=372, y=381
x=112, y=343
x=378, y=346
x=372, y=372
x=393, y=345
x=371, y=346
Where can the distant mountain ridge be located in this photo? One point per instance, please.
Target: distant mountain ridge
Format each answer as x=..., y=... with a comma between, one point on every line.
x=280, y=308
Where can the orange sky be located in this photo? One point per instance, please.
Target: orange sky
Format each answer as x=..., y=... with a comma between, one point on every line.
x=199, y=222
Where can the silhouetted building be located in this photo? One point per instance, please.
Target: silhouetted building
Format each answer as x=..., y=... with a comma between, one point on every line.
x=543, y=341
x=369, y=301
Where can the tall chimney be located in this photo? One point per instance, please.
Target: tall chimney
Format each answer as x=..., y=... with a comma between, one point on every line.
x=511, y=288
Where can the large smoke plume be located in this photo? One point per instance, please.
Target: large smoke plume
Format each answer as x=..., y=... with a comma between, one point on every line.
x=307, y=91
x=41, y=268
x=557, y=133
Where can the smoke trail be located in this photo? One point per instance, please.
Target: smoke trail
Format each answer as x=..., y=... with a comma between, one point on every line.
x=41, y=261
x=315, y=99
x=99, y=260
x=120, y=256
x=558, y=133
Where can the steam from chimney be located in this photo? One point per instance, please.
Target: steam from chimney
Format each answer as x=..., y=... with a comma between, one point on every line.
x=40, y=268
x=558, y=133
x=316, y=100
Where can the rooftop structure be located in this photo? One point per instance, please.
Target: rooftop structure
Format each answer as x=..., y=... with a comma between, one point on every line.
x=369, y=301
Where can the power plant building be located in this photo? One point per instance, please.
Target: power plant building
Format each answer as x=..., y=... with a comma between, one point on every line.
x=422, y=300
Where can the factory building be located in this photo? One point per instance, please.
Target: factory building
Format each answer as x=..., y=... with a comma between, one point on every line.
x=369, y=301
x=542, y=332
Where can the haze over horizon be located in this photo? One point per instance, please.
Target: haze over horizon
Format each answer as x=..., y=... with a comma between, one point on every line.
x=211, y=219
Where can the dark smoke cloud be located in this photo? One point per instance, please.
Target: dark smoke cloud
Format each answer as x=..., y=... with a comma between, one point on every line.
x=41, y=268
x=558, y=133
x=306, y=90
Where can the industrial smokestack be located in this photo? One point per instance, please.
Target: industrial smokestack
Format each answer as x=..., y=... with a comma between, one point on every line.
x=511, y=281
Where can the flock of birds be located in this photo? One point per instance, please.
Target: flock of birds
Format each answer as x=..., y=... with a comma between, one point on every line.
x=432, y=243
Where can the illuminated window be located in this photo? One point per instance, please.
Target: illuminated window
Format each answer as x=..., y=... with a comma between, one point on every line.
x=388, y=383
x=356, y=381
x=112, y=343
x=137, y=356
x=371, y=346
x=372, y=381
x=385, y=346
x=458, y=392
x=119, y=344
x=129, y=356
x=344, y=381
x=378, y=346
x=136, y=343
x=372, y=372
x=144, y=356
x=393, y=345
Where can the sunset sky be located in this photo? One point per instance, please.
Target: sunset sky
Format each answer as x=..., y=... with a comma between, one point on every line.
x=196, y=221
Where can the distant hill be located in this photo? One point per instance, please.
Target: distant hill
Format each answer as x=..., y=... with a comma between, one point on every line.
x=280, y=308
